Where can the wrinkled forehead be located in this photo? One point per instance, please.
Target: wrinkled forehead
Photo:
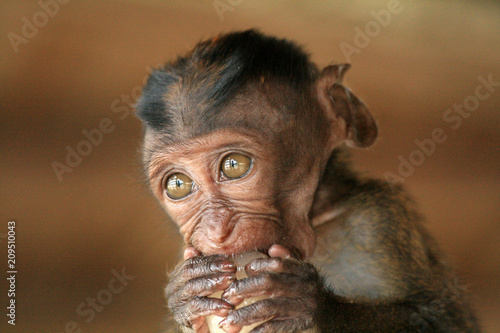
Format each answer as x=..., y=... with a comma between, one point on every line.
x=219, y=139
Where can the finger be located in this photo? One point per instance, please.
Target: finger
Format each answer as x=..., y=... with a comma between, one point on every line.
x=279, y=265
x=204, y=286
x=200, y=266
x=206, y=306
x=213, y=273
x=277, y=285
x=280, y=251
x=272, y=308
x=193, y=313
x=249, y=287
x=265, y=265
x=191, y=252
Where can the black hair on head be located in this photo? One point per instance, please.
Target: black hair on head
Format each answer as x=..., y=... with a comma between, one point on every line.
x=195, y=87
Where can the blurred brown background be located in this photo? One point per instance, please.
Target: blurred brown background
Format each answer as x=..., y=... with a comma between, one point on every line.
x=86, y=62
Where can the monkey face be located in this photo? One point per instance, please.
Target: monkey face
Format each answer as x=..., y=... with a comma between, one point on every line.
x=236, y=142
x=225, y=192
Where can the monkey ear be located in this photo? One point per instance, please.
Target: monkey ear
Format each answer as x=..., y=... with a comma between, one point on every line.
x=350, y=118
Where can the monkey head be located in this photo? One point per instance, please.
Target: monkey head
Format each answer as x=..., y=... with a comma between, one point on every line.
x=237, y=136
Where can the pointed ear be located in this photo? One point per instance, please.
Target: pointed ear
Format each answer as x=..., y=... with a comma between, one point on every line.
x=351, y=121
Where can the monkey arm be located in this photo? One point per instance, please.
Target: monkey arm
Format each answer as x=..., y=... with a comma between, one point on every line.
x=345, y=315
x=383, y=268
x=417, y=313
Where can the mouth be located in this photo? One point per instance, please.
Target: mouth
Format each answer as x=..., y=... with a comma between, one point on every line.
x=235, y=251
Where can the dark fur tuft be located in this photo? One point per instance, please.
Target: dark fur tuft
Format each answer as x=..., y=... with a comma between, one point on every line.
x=190, y=91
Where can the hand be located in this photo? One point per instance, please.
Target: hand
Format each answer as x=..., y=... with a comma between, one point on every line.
x=293, y=287
x=193, y=280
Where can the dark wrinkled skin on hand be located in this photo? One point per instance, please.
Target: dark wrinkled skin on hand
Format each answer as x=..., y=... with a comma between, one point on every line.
x=292, y=286
x=190, y=283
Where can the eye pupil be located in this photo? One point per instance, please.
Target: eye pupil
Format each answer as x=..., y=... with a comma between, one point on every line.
x=235, y=165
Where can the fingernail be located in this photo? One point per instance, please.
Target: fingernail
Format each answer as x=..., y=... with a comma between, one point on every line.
x=227, y=306
x=227, y=266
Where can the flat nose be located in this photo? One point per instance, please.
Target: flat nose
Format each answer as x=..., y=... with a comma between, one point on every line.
x=217, y=224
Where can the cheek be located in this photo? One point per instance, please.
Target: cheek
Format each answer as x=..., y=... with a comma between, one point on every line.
x=260, y=191
x=303, y=238
x=181, y=214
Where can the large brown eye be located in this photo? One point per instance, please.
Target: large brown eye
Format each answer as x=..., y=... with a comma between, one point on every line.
x=235, y=165
x=178, y=186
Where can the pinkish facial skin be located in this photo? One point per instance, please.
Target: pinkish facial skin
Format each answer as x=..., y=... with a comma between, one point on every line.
x=232, y=216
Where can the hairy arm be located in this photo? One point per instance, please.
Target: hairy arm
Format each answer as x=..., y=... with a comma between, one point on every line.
x=382, y=270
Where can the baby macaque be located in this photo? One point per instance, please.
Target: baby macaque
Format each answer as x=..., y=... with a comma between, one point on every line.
x=243, y=148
